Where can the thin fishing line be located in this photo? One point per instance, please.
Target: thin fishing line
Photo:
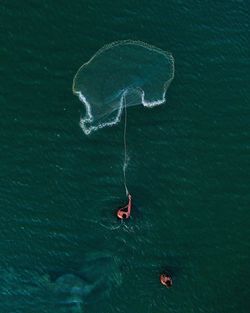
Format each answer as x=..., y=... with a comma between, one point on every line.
x=125, y=145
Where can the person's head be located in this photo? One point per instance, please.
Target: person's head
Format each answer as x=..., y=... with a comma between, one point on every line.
x=166, y=280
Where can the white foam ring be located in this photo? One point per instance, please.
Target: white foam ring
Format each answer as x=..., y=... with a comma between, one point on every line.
x=86, y=122
x=88, y=119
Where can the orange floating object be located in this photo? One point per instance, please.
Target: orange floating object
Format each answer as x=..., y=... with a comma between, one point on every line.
x=166, y=280
x=124, y=212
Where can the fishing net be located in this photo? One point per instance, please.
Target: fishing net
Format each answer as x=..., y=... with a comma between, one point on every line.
x=123, y=73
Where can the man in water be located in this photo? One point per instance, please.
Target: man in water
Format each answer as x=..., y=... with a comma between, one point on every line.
x=166, y=280
x=124, y=212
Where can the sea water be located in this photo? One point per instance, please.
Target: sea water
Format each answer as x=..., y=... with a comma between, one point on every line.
x=189, y=159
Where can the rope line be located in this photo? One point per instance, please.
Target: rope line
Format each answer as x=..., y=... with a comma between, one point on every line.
x=125, y=145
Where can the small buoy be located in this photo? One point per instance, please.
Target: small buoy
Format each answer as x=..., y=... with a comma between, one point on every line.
x=124, y=212
x=166, y=280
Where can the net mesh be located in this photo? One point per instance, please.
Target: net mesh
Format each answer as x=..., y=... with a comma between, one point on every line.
x=131, y=70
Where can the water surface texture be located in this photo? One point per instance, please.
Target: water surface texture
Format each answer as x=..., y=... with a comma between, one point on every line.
x=188, y=171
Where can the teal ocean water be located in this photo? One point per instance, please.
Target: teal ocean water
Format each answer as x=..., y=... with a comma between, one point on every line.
x=188, y=172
